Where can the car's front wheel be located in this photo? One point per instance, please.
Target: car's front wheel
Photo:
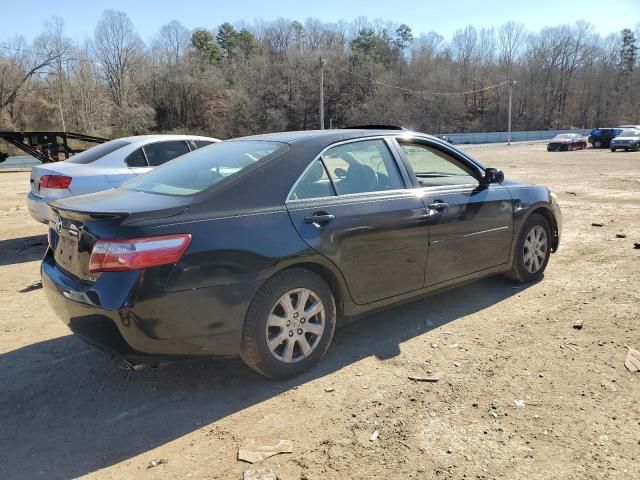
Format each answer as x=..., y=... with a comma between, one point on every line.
x=289, y=325
x=533, y=249
x=597, y=144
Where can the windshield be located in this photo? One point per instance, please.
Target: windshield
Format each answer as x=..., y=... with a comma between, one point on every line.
x=95, y=153
x=564, y=136
x=203, y=168
x=629, y=133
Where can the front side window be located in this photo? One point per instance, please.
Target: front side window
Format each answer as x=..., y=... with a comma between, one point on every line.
x=162, y=152
x=361, y=167
x=434, y=168
x=205, y=167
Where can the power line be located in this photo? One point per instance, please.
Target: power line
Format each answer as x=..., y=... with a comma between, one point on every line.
x=420, y=92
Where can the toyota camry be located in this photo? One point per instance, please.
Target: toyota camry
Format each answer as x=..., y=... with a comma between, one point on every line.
x=257, y=247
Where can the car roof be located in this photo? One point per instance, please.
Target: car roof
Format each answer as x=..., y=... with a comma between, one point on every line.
x=331, y=136
x=155, y=138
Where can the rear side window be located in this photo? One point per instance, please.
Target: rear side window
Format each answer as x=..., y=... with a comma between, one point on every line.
x=202, y=143
x=162, y=152
x=136, y=159
x=361, y=167
x=95, y=153
x=314, y=183
x=203, y=168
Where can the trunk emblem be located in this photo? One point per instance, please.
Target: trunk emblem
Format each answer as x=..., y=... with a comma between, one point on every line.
x=59, y=225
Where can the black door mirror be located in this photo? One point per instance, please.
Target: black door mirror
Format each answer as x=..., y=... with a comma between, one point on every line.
x=493, y=175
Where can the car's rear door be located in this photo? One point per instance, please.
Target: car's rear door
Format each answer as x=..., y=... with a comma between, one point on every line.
x=471, y=223
x=353, y=206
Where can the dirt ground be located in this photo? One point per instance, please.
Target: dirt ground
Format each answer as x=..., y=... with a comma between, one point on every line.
x=66, y=412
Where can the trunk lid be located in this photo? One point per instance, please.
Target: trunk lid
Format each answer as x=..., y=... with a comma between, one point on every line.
x=78, y=222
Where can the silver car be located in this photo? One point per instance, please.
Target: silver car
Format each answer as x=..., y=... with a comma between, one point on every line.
x=103, y=167
x=628, y=139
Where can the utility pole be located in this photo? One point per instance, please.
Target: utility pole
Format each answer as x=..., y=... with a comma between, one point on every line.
x=64, y=128
x=511, y=84
x=322, y=62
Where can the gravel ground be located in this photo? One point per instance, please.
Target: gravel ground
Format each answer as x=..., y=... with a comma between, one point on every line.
x=521, y=393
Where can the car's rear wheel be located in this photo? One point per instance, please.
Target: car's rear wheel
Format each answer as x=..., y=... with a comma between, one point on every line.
x=533, y=249
x=597, y=144
x=289, y=325
x=613, y=149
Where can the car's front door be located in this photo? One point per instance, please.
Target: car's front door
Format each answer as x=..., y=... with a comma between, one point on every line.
x=352, y=206
x=471, y=226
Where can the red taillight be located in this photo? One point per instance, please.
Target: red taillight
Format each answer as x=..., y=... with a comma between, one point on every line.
x=54, y=181
x=137, y=253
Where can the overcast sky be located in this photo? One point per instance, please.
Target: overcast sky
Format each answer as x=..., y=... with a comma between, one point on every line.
x=25, y=17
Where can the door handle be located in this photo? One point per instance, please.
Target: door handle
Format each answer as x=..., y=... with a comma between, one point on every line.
x=319, y=219
x=438, y=207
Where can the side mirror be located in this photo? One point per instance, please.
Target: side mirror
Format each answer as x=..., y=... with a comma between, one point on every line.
x=493, y=175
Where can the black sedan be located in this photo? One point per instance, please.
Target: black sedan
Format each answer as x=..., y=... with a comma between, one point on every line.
x=259, y=245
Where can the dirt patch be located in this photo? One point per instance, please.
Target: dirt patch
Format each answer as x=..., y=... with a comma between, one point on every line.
x=521, y=393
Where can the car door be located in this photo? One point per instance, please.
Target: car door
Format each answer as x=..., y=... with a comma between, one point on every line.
x=471, y=222
x=352, y=205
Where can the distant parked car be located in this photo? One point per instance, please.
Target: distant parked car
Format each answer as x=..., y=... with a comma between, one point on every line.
x=601, y=137
x=566, y=142
x=633, y=127
x=445, y=138
x=103, y=167
x=629, y=140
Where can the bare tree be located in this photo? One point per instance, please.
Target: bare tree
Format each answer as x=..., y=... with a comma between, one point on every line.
x=117, y=47
x=511, y=38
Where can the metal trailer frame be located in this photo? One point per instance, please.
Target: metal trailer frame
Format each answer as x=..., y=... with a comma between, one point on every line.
x=47, y=146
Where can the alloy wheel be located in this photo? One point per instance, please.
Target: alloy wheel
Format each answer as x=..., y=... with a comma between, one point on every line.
x=535, y=249
x=295, y=325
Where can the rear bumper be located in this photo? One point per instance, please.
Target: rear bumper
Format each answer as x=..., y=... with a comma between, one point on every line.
x=112, y=315
x=38, y=208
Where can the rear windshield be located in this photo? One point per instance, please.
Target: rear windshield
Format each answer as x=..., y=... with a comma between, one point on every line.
x=564, y=136
x=203, y=168
x=93, y=154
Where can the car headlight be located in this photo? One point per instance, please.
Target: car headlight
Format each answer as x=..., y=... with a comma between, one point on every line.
x=554, y=197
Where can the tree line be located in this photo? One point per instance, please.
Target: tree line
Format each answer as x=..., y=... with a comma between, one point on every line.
x=251, y=78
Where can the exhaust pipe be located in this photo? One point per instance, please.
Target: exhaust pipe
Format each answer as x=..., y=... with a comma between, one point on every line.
x=125, y=364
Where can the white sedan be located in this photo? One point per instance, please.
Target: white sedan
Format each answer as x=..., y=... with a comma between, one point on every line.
x=103, y=167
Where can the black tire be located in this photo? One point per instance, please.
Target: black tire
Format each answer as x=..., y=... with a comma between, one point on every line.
x=613, y=149
x=518, y=270
x=254, y=349
x=597, y=144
